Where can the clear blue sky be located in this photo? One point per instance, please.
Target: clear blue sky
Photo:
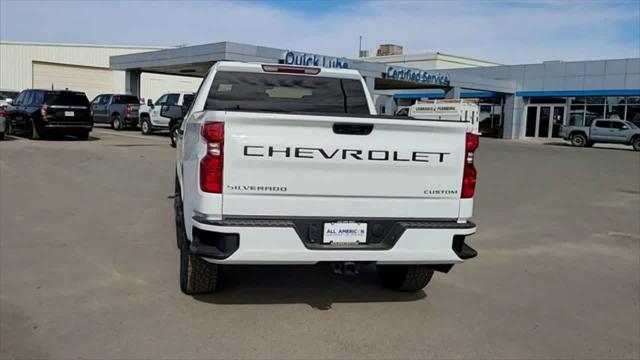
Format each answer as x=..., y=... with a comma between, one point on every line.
x=506, y=32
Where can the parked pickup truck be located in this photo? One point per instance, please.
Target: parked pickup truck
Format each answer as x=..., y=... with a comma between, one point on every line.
x=291, y=165
x=121, y=111
x=158, y=115
x=603, y=131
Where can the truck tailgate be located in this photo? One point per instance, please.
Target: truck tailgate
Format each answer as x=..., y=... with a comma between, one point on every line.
x=299, y=165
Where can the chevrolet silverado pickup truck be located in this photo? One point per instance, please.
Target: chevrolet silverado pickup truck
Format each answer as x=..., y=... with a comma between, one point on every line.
x=291, y=165
x=612, y=131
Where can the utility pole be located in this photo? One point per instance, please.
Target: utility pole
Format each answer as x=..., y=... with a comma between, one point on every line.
x=360, y=48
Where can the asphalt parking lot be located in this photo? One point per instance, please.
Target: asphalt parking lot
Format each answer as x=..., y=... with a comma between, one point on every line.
x=89, y=266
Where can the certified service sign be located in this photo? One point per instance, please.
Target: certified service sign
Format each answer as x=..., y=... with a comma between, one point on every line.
x=416, y=75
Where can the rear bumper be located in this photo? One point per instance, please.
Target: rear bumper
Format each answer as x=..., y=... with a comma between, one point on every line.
x=67, y=126
x=129, y=121
x=285, y=242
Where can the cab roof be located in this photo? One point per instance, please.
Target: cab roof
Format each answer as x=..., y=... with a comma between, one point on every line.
x=259, y=68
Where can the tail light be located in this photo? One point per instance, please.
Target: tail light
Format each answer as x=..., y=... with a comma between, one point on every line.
x=212, y=163
x=291, y=69
x=44, y=110
x=128, y=110
x=469, y=174
x=3, y=113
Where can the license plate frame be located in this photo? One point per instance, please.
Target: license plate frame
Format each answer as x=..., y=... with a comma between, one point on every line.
x=69, y=113
x=344, y=233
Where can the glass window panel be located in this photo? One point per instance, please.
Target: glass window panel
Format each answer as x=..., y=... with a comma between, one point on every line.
x=616, y=100
x=544, y=121
x=617, y=124
x=595, y=100
x=548, y=100
x=633, y=113
x=593, y=112
x=577, y=100
x=576, y=116
x=532, y=112
x=615, y=107
x=633, y=100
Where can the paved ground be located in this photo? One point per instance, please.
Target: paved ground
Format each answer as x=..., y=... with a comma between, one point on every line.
x=89, y=268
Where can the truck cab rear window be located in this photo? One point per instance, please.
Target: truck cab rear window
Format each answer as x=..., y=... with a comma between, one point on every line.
x=286, y=93
x=126, y=99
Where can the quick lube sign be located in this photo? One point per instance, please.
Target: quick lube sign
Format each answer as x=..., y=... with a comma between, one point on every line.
x=302, y=59
x=416, y=75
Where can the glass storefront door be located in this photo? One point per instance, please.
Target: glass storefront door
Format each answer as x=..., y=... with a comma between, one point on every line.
x=544, y=121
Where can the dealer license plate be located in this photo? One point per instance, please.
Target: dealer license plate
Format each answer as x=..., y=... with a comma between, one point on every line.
x=69, y=113
x=345, y=233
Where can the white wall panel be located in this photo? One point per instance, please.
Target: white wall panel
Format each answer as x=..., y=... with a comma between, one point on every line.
x=91, y=80
x=17, y=63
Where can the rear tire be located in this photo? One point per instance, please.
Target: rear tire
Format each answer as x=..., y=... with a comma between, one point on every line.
x=1, y=136
x=116, y=123
x=636, y=143
x=404, y=277
x=197, y=276
x=145, y=126
x=181, y=235
x=173, y=134
x=33, y=133
x=82, y=135
x=578, y=140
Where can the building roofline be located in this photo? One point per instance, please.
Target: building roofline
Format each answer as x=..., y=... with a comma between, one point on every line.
x=28, y=43
x=428, y=56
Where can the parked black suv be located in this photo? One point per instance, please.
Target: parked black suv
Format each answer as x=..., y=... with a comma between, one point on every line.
x=37, y=113
x=121, y=111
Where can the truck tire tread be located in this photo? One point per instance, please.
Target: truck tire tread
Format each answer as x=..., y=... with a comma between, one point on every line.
x=196, y=275
x=404, y=277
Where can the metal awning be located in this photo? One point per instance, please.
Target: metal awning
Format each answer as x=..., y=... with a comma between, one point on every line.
x=196, y=61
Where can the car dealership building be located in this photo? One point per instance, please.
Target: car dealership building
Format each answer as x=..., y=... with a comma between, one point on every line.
x=516, y=101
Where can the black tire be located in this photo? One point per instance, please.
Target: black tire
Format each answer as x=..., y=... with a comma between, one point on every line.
x=173, y=134
x=32, y=132
x=578, y=140
x=82, y=135
x=1, y=136
x=196, y=275
x=636, y=143
x=145, y=126
x=116, y=122
x=181, y=236
x=404, y=277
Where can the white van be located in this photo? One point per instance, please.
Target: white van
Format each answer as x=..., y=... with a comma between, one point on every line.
x=458, y=110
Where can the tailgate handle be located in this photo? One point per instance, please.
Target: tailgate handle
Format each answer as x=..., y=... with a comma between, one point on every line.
x=352, y=129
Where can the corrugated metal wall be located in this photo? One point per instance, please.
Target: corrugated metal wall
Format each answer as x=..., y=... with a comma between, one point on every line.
x=16, y=66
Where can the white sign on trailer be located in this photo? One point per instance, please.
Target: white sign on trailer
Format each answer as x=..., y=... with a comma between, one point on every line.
x=459, y=110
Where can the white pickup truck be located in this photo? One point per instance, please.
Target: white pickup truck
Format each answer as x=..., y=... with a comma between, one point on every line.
x=291, y=165
x=168, y=107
